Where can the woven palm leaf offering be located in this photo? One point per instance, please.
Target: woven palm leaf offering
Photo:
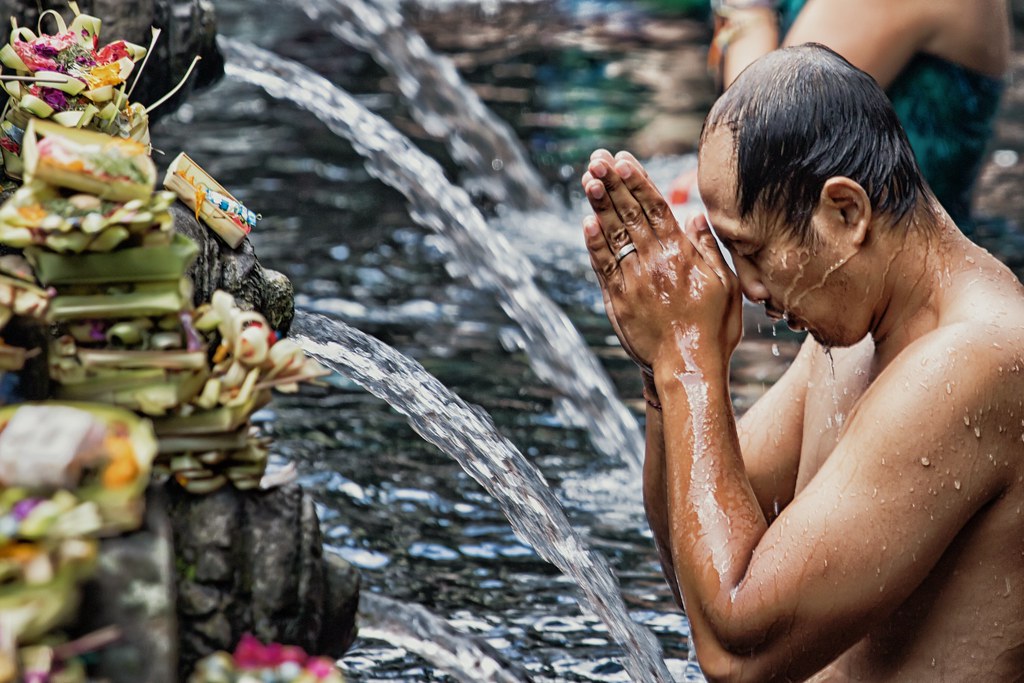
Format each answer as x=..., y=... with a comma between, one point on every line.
x=213, y=205
x=68, y=473
x=148, y=364
x=100, y=453
x=209, y=442
x=69, y=79
x=85, y=192
x=254, y=662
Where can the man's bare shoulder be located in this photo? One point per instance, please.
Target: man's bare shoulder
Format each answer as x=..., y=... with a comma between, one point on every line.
x=960, y=387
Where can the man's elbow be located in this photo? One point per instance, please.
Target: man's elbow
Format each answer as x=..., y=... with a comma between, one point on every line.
x=748, y=659
x=721, y=666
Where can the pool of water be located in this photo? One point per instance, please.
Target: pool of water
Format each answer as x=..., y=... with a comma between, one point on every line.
x=419, y=528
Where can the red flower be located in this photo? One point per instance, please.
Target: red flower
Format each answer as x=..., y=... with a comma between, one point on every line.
x=111, y=53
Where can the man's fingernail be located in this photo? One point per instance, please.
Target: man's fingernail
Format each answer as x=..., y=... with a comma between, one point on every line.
x=590, y=227
x=624, y=169
x=595, y=190
x=598, y=169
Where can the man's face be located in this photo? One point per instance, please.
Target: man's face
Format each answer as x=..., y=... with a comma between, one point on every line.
x=805, y=285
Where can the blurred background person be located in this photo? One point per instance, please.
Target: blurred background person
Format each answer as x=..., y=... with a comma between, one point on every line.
x=941, y=62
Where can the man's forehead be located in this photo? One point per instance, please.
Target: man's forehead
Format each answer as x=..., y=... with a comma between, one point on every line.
x=716, y=171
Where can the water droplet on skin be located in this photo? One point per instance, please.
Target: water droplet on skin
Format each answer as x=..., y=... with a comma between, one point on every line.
x=956, y=484
x=775, y=350
x=926, y=462
x=967, y=420
x=949, y=388
x=977, y=432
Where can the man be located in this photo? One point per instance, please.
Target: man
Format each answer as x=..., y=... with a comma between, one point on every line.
x=865, y=519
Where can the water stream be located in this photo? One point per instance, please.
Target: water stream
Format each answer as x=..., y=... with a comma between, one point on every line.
x=468, y=435
x=419, y=527
x=417, y=630
x=557, y=353
x=448, y=109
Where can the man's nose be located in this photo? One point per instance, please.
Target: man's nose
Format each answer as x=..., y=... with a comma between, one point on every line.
x=750, y=281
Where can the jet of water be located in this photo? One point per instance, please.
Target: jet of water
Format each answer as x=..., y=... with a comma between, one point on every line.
x=557, y=353
x=414, y=628
x=439, y=99
x=469, y=436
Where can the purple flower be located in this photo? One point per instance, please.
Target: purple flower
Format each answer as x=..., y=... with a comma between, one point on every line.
x=45, y=50
x=23, y=508
x=55, y=98
x=193, y=342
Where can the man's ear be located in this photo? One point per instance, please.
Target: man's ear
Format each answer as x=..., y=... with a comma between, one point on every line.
x=846, y=208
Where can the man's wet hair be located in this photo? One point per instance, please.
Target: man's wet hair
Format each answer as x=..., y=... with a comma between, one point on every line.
x=804, y=114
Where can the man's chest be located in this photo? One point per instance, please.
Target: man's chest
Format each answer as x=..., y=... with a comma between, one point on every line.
x=838, y=381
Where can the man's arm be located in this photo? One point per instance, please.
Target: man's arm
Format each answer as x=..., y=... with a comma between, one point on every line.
x=878, y=36
x=770, y=436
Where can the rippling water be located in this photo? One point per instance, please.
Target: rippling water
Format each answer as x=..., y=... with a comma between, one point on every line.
x=415, y=523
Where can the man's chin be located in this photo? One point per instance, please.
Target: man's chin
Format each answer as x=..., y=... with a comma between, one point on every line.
x=829, y=341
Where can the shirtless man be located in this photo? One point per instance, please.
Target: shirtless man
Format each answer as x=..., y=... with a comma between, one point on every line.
x=886, y=546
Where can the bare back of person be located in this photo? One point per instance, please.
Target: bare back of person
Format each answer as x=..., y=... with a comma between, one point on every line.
x=888, y=33
x=966, y=620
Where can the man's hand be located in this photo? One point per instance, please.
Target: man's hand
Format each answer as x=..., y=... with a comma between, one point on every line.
x=673, y=284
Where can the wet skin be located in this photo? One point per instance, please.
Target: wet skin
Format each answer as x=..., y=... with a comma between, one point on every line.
x=860, y=523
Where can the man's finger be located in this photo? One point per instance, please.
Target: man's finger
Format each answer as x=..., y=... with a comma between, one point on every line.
x=604, y=207
x=699, y=233
x=628, y=156
x=657, y=214
x=631, y=215
x=601, y=257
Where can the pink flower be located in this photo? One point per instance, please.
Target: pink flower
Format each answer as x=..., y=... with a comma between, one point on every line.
x=251, y=654
x=293, y=653
x=32, y=59
x=320, y=667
